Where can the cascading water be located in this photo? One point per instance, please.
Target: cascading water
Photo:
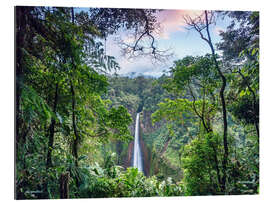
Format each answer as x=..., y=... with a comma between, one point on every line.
x=137, y=156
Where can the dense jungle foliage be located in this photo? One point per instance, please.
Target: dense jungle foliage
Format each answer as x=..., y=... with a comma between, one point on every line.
x=75, y=121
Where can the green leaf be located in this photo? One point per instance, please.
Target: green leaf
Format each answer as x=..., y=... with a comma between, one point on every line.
x=83, y=157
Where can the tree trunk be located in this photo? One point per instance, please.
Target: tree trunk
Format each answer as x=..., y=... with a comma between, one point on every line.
x=51, y=129
x=64, y=189
x=76, y=140
x=20, y=43
x=224, y=111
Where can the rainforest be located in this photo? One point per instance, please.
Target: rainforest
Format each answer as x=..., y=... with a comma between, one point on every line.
x=84, y=129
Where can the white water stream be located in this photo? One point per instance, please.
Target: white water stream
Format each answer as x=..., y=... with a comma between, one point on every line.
x=137, y=156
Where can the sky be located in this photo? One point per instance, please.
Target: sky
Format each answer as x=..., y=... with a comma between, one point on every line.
x=174, y=36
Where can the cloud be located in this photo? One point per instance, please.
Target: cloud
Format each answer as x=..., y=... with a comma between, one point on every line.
x=173, y=21
x=218, y=30
x=141, y=65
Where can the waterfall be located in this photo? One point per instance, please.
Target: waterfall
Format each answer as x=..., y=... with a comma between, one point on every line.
x=137, y=156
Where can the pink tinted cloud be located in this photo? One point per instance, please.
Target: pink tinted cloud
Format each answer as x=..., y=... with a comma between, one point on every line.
x=218, y=30
x=173, y=20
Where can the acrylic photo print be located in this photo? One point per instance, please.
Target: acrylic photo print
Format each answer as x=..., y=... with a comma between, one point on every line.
x=135, y=102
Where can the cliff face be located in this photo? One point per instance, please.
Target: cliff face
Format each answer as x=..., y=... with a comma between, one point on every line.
x=146, y=124
x=133, y=113
x=147, y=127
x=129, y=157
x=127, y=162
x=146, y=157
